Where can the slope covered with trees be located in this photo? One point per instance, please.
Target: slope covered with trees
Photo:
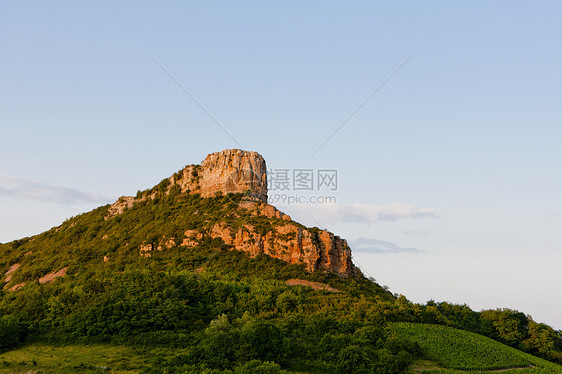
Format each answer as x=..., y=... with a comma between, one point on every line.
x=87, y=281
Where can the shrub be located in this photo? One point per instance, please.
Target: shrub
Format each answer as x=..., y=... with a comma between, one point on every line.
x=12, y=332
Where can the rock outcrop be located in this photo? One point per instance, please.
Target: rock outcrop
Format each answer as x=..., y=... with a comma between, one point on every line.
x=229, y=171
x=314, y=285
x=9, y=274
x=238, y=171
x=51, y=276
x=124, y=202
x=290, y=242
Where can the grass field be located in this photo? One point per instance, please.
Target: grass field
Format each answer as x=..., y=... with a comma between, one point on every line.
x=44, y=358
x=41, y=358
x=458, y=351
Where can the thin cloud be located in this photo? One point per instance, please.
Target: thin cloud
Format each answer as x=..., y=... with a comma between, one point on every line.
x=370, y=245
x=417, y=232
x=360, y=213
x=27, y=189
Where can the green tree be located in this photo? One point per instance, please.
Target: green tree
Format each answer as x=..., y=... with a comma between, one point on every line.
x=510, y=326
x=12, y=332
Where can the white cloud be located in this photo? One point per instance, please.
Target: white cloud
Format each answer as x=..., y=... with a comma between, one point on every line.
x=360, y=213
x=379, y=246
x=27, y=189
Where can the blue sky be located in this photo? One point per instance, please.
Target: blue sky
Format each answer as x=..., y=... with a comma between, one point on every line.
x=448, y=178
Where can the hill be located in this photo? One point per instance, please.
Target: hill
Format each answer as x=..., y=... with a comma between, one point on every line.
x=461, y=351
x=203, y=266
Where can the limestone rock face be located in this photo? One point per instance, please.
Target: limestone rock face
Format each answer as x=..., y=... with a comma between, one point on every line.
x=234, y=171
x=238, y=171
x=229, y=171
x=124, y=202
x=316, y=249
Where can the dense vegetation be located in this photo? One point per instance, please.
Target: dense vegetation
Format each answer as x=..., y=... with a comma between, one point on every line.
x=507, y=326
x=223, y=311
x=463, y=350
x=224, y=323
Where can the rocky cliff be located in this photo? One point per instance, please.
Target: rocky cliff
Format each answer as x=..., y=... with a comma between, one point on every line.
x=229, y=171
x=243, y=172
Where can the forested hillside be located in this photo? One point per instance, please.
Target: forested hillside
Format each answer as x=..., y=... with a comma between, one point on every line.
x=89, y=281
